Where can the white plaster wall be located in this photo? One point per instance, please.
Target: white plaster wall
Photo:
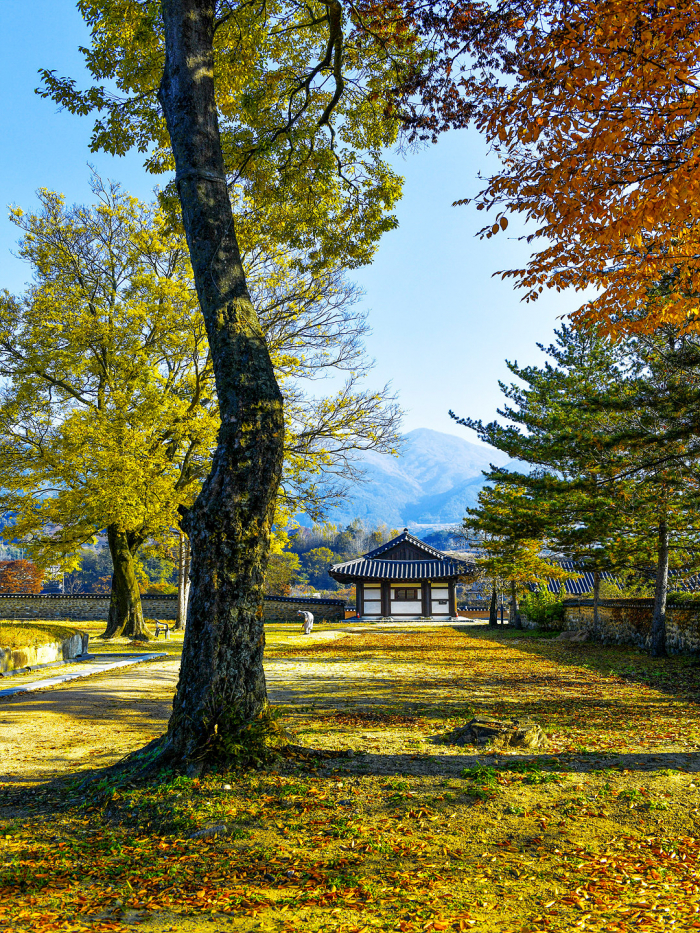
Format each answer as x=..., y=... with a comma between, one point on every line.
x=372, y=602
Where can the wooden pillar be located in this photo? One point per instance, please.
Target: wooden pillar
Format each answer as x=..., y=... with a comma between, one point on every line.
x=426, y=608
x=386, y=598
x=360, y=598
x=452, y=593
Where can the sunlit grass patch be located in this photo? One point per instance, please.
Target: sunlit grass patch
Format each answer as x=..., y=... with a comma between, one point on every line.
x=34, y=633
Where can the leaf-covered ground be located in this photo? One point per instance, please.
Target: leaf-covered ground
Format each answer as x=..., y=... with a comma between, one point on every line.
x=597, y=832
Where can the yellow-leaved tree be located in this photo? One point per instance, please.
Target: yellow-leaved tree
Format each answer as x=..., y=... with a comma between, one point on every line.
x=109, y=413
x=511, y=549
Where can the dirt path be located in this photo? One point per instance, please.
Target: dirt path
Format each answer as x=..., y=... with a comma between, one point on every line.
x=95, y=722
x=86, y=724
x=330, y=684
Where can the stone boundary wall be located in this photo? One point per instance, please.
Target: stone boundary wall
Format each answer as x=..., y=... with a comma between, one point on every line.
x=87, y=606
x=628, y=622
x=285, y=608
x=81, y=607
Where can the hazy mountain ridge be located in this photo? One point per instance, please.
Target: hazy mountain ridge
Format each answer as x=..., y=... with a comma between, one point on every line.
x=433, y=480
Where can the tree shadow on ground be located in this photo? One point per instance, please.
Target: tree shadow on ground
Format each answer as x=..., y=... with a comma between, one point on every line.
x=454, y=765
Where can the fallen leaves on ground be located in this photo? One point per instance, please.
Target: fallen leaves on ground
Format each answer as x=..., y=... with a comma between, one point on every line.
x=599, y=832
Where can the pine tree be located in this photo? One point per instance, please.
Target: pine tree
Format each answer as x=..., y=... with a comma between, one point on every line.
x=511, y=543
x=609, y=487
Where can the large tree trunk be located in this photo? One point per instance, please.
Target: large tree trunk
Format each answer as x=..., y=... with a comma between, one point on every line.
x=493, y=610
x=658, y=622
x=183, y=580
x=596, y=601
x=516, y=619
x=221, y=677
x=125, y=612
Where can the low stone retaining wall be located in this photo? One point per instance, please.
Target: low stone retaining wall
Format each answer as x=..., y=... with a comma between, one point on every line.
x=75, y=644
x=86, y=607
x=628, y=622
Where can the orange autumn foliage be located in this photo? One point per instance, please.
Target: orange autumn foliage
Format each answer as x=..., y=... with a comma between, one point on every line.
x=593, y=108
x=20, y=576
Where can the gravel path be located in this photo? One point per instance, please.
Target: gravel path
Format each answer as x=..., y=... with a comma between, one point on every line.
x=54, y=677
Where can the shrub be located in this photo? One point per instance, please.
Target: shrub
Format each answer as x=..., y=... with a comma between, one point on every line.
x=679, y=596
x=545, y=609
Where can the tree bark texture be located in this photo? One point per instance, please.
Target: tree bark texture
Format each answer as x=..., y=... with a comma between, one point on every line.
x=493, y=610
x=221, y=677
x=125, y=611
x=514, y=607
x=596, y=601
x=658, y=621
x=183, y=580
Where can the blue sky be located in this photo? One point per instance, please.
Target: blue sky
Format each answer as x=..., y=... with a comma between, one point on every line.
x=442, y=325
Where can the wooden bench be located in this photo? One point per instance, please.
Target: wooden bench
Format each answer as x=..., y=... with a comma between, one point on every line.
x=164, y=628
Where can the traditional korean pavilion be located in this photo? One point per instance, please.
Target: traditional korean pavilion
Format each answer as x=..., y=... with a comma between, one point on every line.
x=403, y=579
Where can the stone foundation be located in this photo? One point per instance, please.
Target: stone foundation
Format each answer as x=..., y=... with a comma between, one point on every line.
x=628, y=622
x=85, y=607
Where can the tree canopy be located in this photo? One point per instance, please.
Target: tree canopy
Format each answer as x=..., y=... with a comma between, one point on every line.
x=108, y=415
x=301, y=97
x=20, y=576
x=592, y=107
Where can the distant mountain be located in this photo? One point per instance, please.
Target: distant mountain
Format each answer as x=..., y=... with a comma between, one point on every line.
x=431, y=483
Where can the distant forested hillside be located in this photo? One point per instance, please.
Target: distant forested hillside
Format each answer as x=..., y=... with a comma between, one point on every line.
x=432, y=482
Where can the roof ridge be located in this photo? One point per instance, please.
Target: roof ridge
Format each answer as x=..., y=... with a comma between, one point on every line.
x=407, y=537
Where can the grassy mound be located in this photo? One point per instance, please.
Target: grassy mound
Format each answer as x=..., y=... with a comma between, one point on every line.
x=31, y=634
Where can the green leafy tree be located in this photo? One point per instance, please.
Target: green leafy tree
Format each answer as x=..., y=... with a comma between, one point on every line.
x=550, y=426
x=608, y=487
x=659, y=431
x=316, y=563
x=511, y=541
x=283, y=572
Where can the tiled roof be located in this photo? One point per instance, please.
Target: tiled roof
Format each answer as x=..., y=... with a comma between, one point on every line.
x=439, y=566
x=399, y=569
x=582, y=584
x=321, y=600
x=681, y=578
